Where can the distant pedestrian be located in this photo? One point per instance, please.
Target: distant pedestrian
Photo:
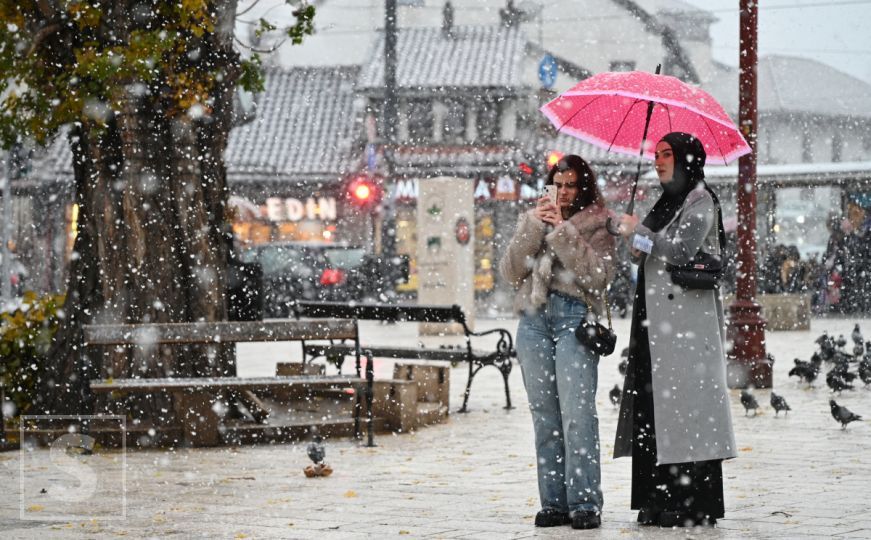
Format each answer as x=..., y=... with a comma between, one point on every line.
x=560, y=260
x=675, y=419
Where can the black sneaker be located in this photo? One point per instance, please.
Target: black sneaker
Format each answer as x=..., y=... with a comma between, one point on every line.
x=550, y=517
x=586, y=519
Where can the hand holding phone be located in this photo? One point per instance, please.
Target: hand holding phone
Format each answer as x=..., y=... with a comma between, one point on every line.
x=550, y=191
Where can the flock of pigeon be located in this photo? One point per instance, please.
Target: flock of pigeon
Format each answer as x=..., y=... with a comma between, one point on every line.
x=839, y=377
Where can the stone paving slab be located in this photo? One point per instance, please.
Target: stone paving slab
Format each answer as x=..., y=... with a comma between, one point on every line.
x=797, y=476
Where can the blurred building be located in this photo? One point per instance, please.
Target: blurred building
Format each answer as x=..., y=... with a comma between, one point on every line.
x=469, y=85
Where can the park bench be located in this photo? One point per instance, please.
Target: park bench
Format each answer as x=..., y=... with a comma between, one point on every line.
x=194, y=398
x=500, y=357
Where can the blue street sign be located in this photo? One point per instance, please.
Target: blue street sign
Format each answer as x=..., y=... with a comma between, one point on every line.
x=371, y=157
x=547, y=71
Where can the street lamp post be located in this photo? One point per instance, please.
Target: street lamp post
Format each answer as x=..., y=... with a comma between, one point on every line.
x=748, y=363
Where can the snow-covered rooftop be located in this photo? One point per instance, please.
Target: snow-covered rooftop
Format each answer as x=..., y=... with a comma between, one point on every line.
x=474, y=57
x=305, y=127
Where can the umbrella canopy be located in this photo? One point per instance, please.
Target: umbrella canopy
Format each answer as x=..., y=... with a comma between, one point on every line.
x=610, y=110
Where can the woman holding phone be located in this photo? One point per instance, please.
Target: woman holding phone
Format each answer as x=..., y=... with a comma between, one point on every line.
x=559, y=260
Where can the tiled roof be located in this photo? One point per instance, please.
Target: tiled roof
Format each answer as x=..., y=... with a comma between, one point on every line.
x=304, y=130
x=476, y=56
x=305, y=127
x=788, y=84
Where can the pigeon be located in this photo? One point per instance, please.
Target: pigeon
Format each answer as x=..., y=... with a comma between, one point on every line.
x=865, y=370
x=806, y=371
x=316, y=452
x=624, y=361
x=843, y=414
x=315, y=449
x=857, y=335
x=779, y=404
x=749, y=402
x=615, y=394
x=837, y=382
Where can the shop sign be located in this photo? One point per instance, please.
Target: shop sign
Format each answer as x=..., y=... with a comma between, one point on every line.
x=320, y=209
x=505, y=189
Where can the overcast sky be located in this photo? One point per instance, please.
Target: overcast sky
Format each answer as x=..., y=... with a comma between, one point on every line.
x=835, y=32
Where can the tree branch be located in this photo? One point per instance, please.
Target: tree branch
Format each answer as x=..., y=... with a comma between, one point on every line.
x=254, y=49
x=42, y=35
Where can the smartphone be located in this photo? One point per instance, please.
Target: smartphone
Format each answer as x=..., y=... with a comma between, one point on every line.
x=550, y=191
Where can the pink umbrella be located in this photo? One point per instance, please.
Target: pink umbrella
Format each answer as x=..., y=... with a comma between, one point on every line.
x=623, y=111
x=610, y=110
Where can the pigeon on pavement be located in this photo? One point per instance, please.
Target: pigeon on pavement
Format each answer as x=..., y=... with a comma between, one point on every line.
x=749, y=402
x=315, y=449
x=837, y=382
x=615, y=394
x=779, y=404
x=843, y=414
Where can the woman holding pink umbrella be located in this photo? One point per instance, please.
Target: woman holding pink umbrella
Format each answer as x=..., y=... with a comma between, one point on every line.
x=675, y=418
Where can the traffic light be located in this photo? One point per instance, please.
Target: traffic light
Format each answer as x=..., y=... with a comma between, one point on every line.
x=364, y=192
x=553, y=158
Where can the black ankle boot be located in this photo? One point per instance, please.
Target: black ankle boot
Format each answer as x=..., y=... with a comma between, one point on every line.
x=685, y=519
x=648, y=516
x=586, y=519
x=549, y=517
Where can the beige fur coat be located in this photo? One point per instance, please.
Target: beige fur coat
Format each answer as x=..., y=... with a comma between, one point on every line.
x=576, y=258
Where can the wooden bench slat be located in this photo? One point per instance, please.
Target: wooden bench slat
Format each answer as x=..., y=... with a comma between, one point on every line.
x=413, y=353
x=217, y=332
x=235, y=383
x=382, y=312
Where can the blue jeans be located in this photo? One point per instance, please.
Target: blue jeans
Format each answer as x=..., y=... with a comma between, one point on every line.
x=560, y=376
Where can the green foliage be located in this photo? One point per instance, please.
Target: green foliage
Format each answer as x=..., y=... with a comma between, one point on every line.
x=304, y=26
x=81, y=60
x=252, y=75
x=25, y=338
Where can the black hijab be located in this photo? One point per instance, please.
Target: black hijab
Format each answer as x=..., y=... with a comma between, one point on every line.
x=689, y=162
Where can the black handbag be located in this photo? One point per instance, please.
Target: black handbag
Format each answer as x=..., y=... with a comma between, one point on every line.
x=595, y=336
x=705, y=270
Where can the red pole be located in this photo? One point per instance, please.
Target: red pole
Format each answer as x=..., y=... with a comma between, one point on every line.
x=747, y=361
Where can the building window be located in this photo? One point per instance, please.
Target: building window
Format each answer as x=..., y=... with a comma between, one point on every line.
x=420, y=120
x=454, y=125
x=622, y=65
x=487, y=120
x=807, y=151
x=375, y=109
x=837, y=146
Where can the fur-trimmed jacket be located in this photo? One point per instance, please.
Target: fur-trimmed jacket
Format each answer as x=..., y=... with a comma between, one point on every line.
x=575, y=258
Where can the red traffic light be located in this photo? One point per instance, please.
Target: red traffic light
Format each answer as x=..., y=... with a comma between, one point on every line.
x=363, y=191
x=553, y=158
x=525, y=168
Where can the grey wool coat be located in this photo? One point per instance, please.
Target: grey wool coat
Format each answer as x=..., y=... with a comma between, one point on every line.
x=576, y=258
x=693, y=419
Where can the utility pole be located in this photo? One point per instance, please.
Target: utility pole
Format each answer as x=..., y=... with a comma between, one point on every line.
x=386, y=230
x=748, y=364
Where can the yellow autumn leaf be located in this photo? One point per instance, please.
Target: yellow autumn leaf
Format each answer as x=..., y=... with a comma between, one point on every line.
x=350, y=493
x=746, y=449
x=35, y=508
x=404, y=532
